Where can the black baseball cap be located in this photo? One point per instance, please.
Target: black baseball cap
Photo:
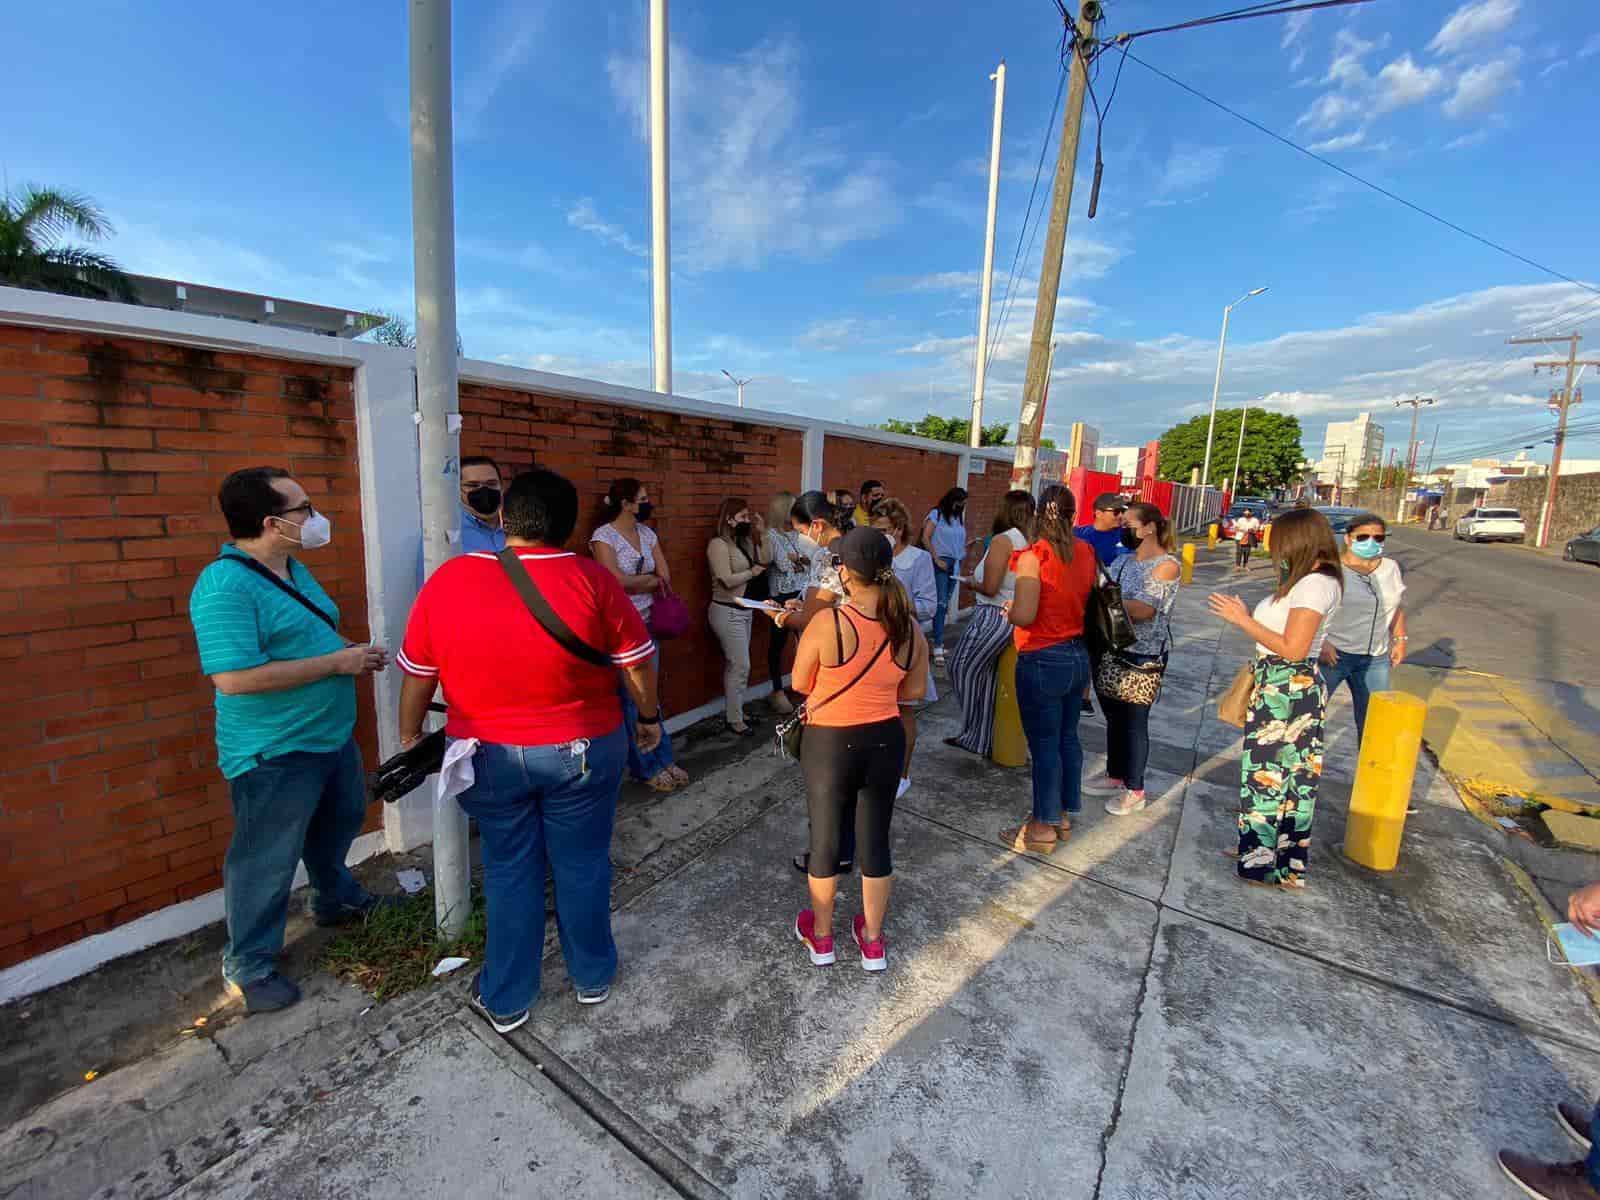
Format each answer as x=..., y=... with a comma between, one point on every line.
x=1110, y=502
x=866, y=552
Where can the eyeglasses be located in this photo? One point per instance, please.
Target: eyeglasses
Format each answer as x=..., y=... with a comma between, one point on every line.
x=305, y=508
x=1380, y=538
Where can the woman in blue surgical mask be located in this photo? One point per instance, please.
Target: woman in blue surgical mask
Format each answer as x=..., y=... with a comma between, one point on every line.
x=1367, y=636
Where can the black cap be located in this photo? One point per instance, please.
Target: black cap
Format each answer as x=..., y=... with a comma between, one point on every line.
x=866, y=552
x=1110, y=502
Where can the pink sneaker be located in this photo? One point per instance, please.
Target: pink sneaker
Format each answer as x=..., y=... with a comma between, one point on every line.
x=1103, y=785
x=874, y=955
x=1126, y=804
x=820, y=948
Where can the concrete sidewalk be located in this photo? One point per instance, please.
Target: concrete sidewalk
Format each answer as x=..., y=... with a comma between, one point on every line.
x=1119, y=1019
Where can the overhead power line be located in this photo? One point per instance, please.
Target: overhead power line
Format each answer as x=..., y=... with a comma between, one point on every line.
x=1242, y=14
x=1364, y=182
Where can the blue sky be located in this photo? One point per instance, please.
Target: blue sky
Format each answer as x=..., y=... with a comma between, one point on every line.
x=829, y=168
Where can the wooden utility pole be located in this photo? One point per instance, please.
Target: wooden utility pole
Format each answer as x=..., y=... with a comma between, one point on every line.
x=1566, y=401
x=1415, y=403
x=1031, y=419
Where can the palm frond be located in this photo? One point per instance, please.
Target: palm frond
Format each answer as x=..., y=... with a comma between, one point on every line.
x=43, y=215
x=68, y=271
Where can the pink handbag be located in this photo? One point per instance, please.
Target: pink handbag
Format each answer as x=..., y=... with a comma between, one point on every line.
x=669, y=616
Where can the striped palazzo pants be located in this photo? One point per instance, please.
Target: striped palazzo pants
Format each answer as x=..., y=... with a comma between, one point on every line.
x=973, y=675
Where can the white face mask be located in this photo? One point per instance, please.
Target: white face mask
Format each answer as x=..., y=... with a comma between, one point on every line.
x=315, y=533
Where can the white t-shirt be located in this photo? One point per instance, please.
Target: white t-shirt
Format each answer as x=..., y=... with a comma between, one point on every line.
x=1244, y=526
x=1008, y=586
x=1317, y=592
x=1361, y=625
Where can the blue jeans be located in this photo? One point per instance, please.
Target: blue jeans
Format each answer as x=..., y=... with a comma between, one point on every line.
x=644, y=766
x=536, y=805
x=1594, y=1148
x=1050, y=685
x=293, y=807
x=1365, y=673
x=943, y=584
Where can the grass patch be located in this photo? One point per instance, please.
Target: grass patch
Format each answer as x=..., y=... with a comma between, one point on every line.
x=394, y=950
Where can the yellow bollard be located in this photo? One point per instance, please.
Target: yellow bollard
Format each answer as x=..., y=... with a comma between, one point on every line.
x=1266, y=537
x=1211, y=537
x=1387, y=763
x=1010, y=746
x=1188, y=563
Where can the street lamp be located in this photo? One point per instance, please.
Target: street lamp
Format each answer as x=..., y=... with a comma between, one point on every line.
x=1238, y=454
x=738, y=383
x=1216, y=386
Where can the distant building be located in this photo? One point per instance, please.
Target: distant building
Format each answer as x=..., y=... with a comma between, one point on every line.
x=207, y=301
x=1084, y=449
x=1348, y=448
x=1120, y=460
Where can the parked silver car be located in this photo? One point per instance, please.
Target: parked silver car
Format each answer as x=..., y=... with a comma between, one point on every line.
x=1491, y=525
x=1584, y=548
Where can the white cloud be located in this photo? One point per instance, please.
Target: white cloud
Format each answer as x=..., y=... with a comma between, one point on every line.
x=1189, y=168
x=833, y=334
x=513, y=40
x=1345, y=141
x=1329, y=110
x=1476, y=138
x=1553, y=67
x=1472, y=23
x=1479, y=86
x=1346, y=69
x=1293, y=28
x=585, y=217
x=1590, y=47
x=753, y=178
x=1402, y=82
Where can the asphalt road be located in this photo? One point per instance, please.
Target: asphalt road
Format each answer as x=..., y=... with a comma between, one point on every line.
x=1499, y=608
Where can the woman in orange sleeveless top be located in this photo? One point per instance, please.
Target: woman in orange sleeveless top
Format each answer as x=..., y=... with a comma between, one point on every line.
x=857, y=665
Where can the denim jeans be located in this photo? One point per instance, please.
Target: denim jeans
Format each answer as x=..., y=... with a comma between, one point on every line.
x=536, y=805
x=293, y=807
x=943, y=584
x=1594, y=1148
x=644, y=766
x=1050, y=685
x=1366, y=673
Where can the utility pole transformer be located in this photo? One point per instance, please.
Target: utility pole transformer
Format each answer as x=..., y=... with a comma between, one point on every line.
x=1031, y=419
x=1568, y=398
x=987, y=284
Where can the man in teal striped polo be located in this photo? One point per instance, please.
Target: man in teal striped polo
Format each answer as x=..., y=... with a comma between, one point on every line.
x=286, y=713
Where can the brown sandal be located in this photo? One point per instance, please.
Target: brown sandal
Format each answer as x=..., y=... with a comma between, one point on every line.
x=1017, y=839
x=662, y=781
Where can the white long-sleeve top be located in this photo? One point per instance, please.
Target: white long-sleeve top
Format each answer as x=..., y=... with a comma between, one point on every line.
x=913, y=566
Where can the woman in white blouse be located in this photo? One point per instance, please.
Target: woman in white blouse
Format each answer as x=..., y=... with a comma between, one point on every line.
x=913, y=567
x=790, y=565
x=629, y=549
x=1368, y=634
x=1283, y=734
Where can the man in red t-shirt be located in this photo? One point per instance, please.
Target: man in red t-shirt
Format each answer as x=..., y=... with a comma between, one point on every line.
x=551, y=746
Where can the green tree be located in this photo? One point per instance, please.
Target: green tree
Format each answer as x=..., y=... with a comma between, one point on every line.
x=954, y=429
x=1380, y=479
x=34, y=222
x=1271, y=457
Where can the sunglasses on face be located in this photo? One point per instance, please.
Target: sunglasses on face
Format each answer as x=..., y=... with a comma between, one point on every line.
x=1380, y=538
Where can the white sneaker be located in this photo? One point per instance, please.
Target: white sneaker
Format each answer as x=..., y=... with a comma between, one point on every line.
x=1103, y=785
x=1126, y=804
x=905, y=786
x=938, y=655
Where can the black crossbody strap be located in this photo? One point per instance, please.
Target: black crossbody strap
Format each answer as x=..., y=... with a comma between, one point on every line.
x=286, y=588
x=860, y=675
x=549, y=620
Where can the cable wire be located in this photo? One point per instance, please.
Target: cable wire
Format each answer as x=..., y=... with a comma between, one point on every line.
x=1273, y=9
x=1366, y=183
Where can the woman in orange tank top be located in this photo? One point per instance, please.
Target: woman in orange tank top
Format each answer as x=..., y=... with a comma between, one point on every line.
x=856, y=666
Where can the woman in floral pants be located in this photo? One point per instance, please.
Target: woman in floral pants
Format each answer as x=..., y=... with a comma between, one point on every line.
x=1282, y=761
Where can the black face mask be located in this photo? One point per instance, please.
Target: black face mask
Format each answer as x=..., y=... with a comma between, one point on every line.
x=485, y=501
x=645, y=510
x=1130, y=539
x=742, y=531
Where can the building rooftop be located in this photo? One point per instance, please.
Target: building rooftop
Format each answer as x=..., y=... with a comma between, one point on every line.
x=208, y=301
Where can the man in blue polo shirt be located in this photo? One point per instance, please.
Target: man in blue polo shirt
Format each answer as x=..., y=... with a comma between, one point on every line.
x=481, y=491
x=1104, y=532
x=286, y=713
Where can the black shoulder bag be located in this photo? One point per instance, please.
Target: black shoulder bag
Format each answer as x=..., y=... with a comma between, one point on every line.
x=789, y=734
x=287, y=589
x=1107, y=624
x=405, y=771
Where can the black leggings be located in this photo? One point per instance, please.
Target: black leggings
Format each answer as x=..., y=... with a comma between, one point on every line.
x=1241, y=554
x=775, y=645
x=851, y=776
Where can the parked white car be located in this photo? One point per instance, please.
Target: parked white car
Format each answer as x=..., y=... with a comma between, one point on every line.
x=1491, y=525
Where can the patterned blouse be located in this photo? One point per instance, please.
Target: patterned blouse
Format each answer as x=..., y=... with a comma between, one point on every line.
x=783, y=578
x=632, y=562
x=1137, y=578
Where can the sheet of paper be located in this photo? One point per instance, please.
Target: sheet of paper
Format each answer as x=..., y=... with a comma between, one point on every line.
x=763, y=605
x=1576, y=948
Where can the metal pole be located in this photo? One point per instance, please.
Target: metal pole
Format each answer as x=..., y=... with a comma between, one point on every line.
x=1238, y=455
x=1031, y=418
x=660, y=244
x=976, y=434
x=433, y=224
x=1216, y=387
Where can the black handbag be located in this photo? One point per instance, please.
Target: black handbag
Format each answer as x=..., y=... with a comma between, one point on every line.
x=406, y=771
x=1107, y=624
x=788, y=735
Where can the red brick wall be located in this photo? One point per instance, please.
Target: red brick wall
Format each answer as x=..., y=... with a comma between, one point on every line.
x=111, y=450
x=690, y=464
x=916, y=477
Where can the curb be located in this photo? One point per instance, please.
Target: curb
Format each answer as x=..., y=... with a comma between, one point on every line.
x=1549, y=918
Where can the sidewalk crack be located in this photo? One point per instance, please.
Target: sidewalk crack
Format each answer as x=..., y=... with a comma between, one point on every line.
x=1110, y=1131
